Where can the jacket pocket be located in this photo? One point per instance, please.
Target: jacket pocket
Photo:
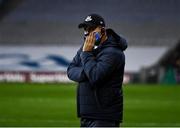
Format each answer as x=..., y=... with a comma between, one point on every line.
x=97, y=99
x=104, y=97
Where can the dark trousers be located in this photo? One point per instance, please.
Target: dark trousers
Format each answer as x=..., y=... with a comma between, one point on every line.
x=98, y=123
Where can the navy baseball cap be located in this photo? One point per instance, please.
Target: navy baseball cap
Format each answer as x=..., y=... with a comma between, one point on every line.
x=92, y=20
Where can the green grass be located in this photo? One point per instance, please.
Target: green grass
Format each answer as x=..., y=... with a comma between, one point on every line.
x=152, y=106
x=55, y=105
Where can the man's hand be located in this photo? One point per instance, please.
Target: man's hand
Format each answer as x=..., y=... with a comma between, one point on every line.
x=89, y=42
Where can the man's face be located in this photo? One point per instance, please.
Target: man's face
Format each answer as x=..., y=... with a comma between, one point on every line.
x=88, y=30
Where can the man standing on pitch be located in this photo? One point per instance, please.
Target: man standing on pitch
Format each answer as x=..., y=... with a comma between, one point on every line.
x=98, y=67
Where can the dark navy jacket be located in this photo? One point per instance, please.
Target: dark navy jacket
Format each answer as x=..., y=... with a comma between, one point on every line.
x=100, y=75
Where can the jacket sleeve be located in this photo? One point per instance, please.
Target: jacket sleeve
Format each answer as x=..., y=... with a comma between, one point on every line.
x=75, y=71
x=97, y=70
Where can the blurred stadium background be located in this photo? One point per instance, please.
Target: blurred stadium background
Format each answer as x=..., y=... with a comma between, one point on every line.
x=38, y=39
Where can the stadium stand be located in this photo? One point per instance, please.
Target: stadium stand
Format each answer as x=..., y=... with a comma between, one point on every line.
x=47, y=22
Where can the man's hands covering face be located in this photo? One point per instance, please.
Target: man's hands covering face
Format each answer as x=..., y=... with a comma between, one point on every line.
x=90, y=40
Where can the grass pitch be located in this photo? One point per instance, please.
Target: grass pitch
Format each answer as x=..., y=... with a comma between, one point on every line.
x=55, y=105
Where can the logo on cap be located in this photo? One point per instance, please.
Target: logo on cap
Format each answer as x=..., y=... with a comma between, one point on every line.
x=88, y=18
